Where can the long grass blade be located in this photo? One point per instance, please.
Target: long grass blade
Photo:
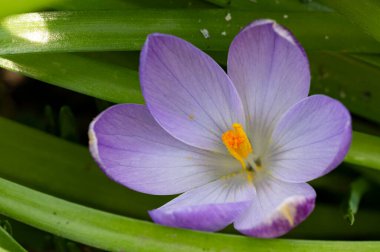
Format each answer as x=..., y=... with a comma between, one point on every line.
x=8, y=244
x=86, y=75
x=127, y=30
x=115, y=233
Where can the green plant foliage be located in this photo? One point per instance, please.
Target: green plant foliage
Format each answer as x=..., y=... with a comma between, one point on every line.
x=70, y=173
x=127, y=30
x=92, y=47
x=65, y=169
x=82, y=74
x=14, y=7
x=358, y=188
x=115, y=233
x=8, y=244
x=364, y=151
x=364, y=13
x=349, y=80
x=113, y=77
x=285, y=6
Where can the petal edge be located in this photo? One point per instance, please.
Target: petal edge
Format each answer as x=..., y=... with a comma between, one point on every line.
x=277, y=208
x=133, y=150
x=271, y=73
x=187, y=92
x=310, y=140
x=208, y=208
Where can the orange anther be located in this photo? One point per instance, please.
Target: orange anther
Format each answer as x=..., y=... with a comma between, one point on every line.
x=237, y=143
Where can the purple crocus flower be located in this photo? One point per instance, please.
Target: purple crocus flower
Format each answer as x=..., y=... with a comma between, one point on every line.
x=239, y=147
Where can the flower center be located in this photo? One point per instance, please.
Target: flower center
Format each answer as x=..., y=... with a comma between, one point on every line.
x=239, y=146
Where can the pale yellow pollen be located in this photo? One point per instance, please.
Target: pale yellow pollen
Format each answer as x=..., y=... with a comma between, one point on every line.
x=287, y=210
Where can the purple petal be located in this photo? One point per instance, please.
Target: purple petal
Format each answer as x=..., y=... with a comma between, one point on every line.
x=210, y=207
x=271, y=72
x=188, y=94
x=136, y=152
x=276, y=209
x=310, y=140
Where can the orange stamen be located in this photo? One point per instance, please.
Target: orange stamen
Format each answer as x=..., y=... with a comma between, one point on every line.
x=237, y=143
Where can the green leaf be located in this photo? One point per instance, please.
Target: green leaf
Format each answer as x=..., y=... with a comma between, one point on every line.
x=358, y=188
x=33, y=239
x=8, y=244
x=279, y=5
x=126, y=4
x=364, y=151
x=220, y=3
x=115, y=233
x=22, y=6
x=6, y=226
x=113, y=76
x=14, y=7
x=364, y=13
x=372, y=59
x=349, y=80
x=127, y=30
x=82, y=74
x=371, y=175
x=65, y=169
x=94, y=5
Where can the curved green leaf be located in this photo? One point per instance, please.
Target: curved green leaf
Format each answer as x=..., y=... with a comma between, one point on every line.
x=373, y=59
x=358, y=188
x=364, y=151
x=220, y=3
x=115, y=233
x=351, y=81
x=113, y=76
x=126, y=4
x=111, y=82
x=364, y=13
x=8, y=244
x=277, y=5
x=65, y=169
x=14, y=7
x=127, y=30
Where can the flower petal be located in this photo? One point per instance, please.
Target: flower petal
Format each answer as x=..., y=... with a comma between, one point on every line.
x=271, y=72
x=136, y=152
x=310, y=140
x=187, y=92
x=210, y=207
x=276, y=209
